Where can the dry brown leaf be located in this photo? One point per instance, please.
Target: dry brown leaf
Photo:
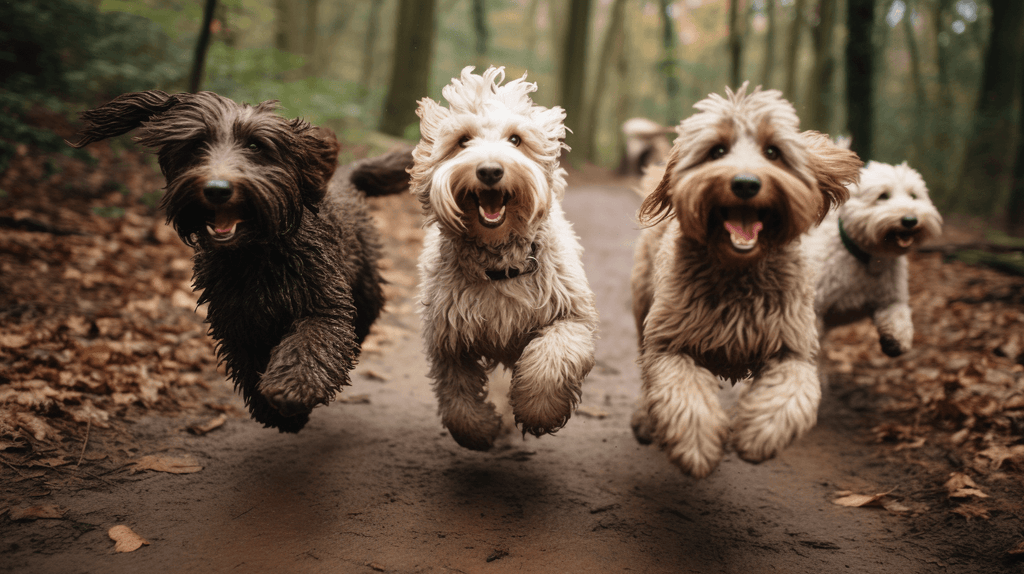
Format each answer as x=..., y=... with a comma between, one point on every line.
x=960, y=485
x=125, y=540
x=972, y=510
x=183, y=464
x=201, y=429
x=1017, y=550
x=860, y=500
x=354, y=399
x=375, y=375
x=592, y=412
x=999, y=454
x=38, y=511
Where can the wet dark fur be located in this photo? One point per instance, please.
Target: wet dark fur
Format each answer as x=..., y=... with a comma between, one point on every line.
x=294, y=295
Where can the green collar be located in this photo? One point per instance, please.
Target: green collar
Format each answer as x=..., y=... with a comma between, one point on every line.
x=850, y=246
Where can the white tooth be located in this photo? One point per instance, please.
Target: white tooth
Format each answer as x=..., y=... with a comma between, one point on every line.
x=742, y=244
x=209, y=229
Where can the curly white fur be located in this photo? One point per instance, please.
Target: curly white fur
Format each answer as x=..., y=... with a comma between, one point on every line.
x=539, y=324
x=889, y=212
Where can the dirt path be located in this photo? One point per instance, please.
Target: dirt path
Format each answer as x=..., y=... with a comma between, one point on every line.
x=379, y=486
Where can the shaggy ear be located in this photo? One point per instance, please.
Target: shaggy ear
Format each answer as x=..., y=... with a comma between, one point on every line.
x=834, y=168
x=317, y=157
x=657, y=205
x=123, y=114
x=431, y=115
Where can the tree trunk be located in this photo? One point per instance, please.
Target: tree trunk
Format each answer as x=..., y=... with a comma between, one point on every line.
x=199, y=61
x=573, y=70
x=860, y=75
x=1015, y=205
x=669, y=67
x=410, y=70
x=922, y=128
x=793, y=46
x=985, y=177
x=530, y=38
x=482, y=33
x=768, y=61
x=609, y=47
x=735, y=45
x=818, y=91
x=369, y=45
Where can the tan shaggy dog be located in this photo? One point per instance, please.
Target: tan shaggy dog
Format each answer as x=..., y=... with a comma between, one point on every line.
x=501, y=281
x=720, y=289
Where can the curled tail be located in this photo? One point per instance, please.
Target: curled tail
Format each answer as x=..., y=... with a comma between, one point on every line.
x=383, y=175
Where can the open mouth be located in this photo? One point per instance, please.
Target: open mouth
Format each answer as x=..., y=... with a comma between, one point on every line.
x=904, y=238
x=491, y=207
x=743, y=224
x=224, y=226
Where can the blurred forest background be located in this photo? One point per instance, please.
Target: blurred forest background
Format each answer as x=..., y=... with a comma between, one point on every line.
x=934, y=82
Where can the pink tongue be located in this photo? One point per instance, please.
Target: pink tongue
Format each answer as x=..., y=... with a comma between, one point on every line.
x=742, y=232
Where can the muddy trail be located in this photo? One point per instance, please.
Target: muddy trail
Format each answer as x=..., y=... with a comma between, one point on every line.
x=375, y=484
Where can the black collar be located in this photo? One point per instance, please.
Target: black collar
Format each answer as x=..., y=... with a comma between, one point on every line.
x=513, y=272
x=861, y=255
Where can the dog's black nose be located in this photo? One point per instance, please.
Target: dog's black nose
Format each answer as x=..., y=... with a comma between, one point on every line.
x=908, y=221
x=217, y=191
x=489, y=173
x=746, y=185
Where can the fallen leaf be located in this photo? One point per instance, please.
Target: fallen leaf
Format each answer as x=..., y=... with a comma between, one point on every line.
x=354, y=399
x=125, y=540
x=999, y=454
x=1017, y=550
x=970, y=511
x=37, y=512
x=184, y=464
x=9, y=341
x=201, y=429
x=960, y=485
x=592, y=412
x=861, y=500
x=375, y=375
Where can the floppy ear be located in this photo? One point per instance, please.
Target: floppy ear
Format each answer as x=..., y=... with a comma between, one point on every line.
x=317, y=156
x=834, y=168
x=657, y=205
x=123, y=114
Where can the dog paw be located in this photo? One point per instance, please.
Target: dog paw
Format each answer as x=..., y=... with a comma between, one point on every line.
x=290, y=403
x=701, y=458
x=478, y=436
x=890, y=346
x=643, y=427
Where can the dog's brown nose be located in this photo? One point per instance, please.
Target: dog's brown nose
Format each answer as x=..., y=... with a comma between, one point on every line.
x=746, y=185
x=489, y=173
x=908, y=221
x=217, y=191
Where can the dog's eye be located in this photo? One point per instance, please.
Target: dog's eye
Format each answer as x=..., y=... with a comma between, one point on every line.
x=718, y=151
x=464, y=140
x=772, y=153
x=253, y=146
x=913, y=196
x=515, y=140
x=883, y=196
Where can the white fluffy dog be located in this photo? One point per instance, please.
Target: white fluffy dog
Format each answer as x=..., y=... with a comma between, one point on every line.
x=501, y=281
x=858, y=253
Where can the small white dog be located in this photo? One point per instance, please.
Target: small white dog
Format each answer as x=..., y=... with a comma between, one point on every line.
x=858, y=253
x=501, y=281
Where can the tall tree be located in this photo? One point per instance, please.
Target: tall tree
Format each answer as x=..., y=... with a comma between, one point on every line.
x=796, y=30
x=818, y=91
x=735, y=45
x=410, y=69
x=985, y=176
x=573, y=69
x=530, y=38
x=611, y=44
x=768, y=56
x=1015, y=205
x=669, y=65
x=369, y=45
x=860, y=79
x=482, y=32
x=922, y=128
x=199, y=61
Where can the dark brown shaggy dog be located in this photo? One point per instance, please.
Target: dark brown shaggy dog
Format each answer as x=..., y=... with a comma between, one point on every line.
x=286, y=255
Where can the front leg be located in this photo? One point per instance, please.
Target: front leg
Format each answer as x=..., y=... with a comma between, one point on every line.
x=780, y=405
x=895, y=328
x=547, y=380
x=680, y=411
x=309, y=365
x=459, y=384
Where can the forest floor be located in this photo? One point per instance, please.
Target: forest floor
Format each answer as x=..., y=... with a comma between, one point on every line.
x=113, y=414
